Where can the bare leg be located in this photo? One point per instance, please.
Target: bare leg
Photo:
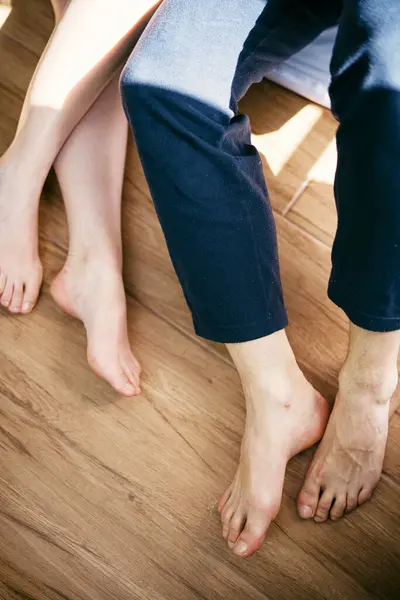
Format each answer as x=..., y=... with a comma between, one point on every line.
x=348, y=463
x=90, y=170
x=285, y=415
x=68, y=80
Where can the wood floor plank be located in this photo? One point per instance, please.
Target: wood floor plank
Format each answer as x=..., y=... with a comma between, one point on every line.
x=131, y=483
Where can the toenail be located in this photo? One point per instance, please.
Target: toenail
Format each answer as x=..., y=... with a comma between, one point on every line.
x=240, y=548
x=26, y=307
x=305, y=512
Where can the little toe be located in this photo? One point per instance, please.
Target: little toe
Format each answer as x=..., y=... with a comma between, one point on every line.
x=338, y=507
x=16, y=300
x=364, y=495
x=324, y=505
x=253, y=534
x=236, y=527
x=224, y=498
x=7, y=294
x=307, y=500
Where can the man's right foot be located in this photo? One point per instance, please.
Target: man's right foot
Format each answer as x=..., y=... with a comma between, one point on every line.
x=21, y=271
x=90, y=290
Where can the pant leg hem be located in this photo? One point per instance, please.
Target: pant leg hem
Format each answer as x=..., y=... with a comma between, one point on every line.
x=239, y=333
x=362, y=319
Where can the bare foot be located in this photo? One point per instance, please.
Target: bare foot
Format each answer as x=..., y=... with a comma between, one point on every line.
x=93, y=292
x=285, y=415
x=348, y=463
x=20, y=268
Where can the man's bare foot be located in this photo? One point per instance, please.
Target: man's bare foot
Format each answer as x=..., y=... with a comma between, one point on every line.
x=348, y=463
x=285, y=415
x=93, y=292
x=20, y=268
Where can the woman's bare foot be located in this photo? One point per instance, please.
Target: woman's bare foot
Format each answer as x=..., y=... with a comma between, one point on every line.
x=348, y=463
x=93, y=292
x=20, y=268
x=285, y=415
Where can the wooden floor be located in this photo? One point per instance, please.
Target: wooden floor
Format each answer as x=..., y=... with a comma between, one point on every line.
x=105, y=498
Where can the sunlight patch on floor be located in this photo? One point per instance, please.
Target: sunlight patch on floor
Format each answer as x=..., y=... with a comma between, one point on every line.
x=280, y=145
x=324, y=169
x=4, y=12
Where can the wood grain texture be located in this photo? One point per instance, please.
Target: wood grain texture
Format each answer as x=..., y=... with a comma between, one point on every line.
x=105, y=498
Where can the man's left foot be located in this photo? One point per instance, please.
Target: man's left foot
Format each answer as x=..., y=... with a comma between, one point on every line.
x=348, y=463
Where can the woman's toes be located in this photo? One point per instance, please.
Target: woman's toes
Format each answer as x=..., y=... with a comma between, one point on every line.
x=324, y=505
x=7, y=294
x=124, y=386
x=307, y=499
x=253, y=534
x=16, y=300
x=235, y=528
x=131, y=370
x=224, y=498
x=338, y=507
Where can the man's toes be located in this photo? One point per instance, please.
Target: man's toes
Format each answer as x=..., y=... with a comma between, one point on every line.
x=7, y=294
x=236, y=527
x=338, y=507
x=352, y=501
x=253, y=534
x=16, y=300
x=364, y=495
x=324, y=505
x=224, y=498
x=307, y=499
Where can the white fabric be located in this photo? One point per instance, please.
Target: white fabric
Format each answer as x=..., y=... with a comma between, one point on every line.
x=307, y=72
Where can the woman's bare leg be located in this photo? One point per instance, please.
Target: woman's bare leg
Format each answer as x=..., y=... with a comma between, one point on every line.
x=69, y=78
x=90, y=169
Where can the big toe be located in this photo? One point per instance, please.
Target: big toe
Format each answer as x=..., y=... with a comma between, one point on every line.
x=31, y=291
x=258, y=521
x=16, y=299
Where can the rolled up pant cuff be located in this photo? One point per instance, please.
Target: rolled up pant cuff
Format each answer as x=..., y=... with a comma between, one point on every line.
x=226, y=334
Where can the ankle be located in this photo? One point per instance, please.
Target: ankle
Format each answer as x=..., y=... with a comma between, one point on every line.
x=267, y=366
x=370, y=369
x=81, y=256
x=375, y=383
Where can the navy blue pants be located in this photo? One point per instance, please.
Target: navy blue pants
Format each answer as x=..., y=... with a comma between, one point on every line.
x=180, y=89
